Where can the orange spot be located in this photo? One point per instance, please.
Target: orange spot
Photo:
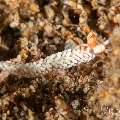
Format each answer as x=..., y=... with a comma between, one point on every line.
x=91, y=39
x=87, y=29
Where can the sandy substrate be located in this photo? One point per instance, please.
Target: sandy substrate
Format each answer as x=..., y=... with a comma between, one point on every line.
x=34, y=29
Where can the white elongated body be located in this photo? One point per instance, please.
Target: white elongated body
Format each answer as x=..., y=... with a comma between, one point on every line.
x=60, y=60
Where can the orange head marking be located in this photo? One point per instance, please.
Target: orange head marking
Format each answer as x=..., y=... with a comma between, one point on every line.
x=91, y=39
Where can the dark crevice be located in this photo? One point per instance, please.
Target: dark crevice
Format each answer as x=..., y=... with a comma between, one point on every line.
x=42, y=3
x=92, y=19
x=74, y=17
x=9, y=38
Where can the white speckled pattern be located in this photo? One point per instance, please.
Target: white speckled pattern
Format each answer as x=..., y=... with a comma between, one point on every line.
x=60, y=60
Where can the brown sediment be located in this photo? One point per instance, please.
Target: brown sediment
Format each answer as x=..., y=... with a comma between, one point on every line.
x=88, y=91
